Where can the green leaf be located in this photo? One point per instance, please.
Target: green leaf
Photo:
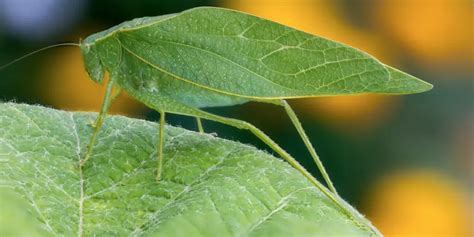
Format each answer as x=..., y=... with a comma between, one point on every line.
x=211, y=186
x=15, y=220
x=214, y=56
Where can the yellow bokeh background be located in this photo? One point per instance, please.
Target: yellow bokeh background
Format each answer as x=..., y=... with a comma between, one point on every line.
x=436, y=31
x=419, y=203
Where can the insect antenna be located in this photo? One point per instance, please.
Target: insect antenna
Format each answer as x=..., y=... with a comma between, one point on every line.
x=37, y=51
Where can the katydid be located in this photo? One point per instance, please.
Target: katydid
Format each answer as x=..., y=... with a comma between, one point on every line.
x=207, y=57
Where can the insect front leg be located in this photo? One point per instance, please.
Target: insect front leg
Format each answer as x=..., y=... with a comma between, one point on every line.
x=100, y=119
x=115, y=95
x=296, y=122
x=160, y=142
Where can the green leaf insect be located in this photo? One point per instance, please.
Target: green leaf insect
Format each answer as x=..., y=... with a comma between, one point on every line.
x=208, y=57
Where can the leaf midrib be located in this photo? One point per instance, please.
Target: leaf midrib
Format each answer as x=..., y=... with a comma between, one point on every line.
x=80, y=224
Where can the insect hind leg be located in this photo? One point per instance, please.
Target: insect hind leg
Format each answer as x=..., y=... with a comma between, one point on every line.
x=309, y=146
x=334, y=197
x=272, y=144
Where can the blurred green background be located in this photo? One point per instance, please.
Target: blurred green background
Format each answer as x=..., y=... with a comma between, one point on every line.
x=406, y=162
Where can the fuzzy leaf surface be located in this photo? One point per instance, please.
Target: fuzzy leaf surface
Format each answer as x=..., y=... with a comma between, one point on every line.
x=211, y=186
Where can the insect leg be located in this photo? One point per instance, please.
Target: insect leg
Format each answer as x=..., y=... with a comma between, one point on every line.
x=100, y=119
x=116, y=94
x=161, y=137
x=344, y=207
x=309, y=146
x=199, y=124
x=113, y=97
x=272, y=144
